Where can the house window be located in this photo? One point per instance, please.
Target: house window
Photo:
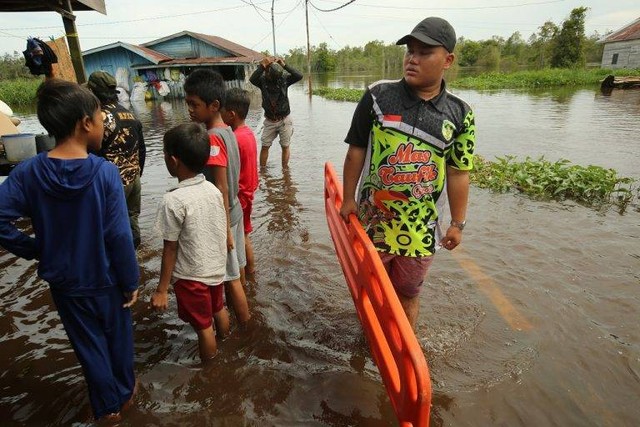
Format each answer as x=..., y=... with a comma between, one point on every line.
x=614, y=59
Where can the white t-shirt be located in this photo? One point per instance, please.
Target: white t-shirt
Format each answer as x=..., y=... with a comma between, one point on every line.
x=193, y=215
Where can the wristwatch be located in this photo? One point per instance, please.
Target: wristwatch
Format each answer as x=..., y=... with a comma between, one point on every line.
x=460, y=225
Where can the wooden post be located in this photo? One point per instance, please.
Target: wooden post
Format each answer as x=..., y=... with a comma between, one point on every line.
x=69, y=22
x=306, y=14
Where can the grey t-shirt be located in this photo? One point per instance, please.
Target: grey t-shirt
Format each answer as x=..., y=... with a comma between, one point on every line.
x=233, y=171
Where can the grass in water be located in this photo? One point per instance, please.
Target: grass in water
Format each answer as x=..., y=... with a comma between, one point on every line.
x=19, y=92
x=340, y=94
x=542, y=179
x=552, y=77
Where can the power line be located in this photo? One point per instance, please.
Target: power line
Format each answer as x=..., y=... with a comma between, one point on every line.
x=331, y=10
x=452, y=8
x=250, y=3
x=141, y=19
x=10, y=35
x=323, y=27
x=277, y=26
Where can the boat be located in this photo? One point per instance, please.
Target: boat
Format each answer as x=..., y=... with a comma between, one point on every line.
x=394, y=346
x=613, y=82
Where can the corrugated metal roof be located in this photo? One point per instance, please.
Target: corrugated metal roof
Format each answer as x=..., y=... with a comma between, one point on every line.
x=628, y=32
x=234, y=49
x=149, y=54
x=230, y=46
x=232, y=60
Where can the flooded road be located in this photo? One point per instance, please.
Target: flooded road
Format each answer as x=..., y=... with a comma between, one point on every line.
x=533, y=321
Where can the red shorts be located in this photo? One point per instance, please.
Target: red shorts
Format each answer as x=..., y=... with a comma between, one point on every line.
x=246, y=214
x=197, y=302
x=406, y=273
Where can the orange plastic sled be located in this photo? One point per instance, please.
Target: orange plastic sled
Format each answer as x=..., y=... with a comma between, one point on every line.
x=393, y=343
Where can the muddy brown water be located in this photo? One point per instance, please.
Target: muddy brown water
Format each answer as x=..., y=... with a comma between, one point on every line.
x=533, y=321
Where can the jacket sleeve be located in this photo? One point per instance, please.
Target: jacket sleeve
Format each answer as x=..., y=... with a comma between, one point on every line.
x=118, y=238
x=294, y=75
x=13, y=205
x=256, y=75
x=142, y=148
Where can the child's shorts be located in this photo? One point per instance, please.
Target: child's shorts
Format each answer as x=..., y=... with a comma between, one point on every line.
x=197, y=302
x=236, y=258
x=406, y=273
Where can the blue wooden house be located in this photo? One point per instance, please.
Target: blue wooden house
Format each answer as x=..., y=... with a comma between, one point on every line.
x=161, y=65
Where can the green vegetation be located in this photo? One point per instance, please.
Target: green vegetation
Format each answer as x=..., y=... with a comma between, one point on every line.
x=541, y=179
x=340, y=94
x=549, y=77
x=568, y=50
x=12, y=67
x=558, y=46
x=19, y=92
x=374, y=56
x=18, y=87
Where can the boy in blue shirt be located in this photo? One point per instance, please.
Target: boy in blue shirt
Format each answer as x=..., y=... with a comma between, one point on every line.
x=82, y=240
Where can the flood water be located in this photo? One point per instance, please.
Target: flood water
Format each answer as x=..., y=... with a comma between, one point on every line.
x=533, y=321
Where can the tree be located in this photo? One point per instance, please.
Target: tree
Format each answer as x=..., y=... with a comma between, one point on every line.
x=541, y=44
x=489, y=56
x=593, y=49
x=12, y=67
x=568, y=45
x=514, y=46
x=323, y=59
x=469, y=51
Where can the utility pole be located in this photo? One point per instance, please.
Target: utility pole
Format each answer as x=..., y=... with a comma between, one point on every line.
x=306, y=15
x=273, y=28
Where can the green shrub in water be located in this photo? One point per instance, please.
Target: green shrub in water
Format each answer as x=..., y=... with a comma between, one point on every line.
x=339, y=94
x=551, y=77
x=592, y=186
x=19, y=92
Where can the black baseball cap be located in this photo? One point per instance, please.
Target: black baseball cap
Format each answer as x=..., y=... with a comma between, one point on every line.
x=433, y=31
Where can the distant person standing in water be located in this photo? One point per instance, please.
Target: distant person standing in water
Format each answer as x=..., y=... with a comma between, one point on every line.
x=274, y=77
x=123, y=143
x=417, y=142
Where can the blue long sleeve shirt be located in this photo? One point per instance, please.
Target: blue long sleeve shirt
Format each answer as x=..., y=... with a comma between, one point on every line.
x=79, y=216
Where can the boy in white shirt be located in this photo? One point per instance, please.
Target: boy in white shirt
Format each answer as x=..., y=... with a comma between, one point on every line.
x=193, y=223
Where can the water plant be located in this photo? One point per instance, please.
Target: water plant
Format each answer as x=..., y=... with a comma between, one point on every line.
x=339, y=94
x=543, y=179
x=550, y=77
x=19, y=92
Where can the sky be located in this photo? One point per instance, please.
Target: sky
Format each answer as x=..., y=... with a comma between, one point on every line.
x=248, y=22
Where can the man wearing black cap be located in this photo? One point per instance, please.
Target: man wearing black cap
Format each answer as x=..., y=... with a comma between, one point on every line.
x=122, y=144
x=417, y=141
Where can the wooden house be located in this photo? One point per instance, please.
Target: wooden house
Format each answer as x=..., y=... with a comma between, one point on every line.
x=622, y=47
x=166, y=61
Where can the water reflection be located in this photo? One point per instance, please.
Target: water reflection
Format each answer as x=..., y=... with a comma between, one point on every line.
x=280, y=196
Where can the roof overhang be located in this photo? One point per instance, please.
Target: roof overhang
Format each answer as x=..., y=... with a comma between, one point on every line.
x=51, y=5
x=198, y=62
x=148, y=54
